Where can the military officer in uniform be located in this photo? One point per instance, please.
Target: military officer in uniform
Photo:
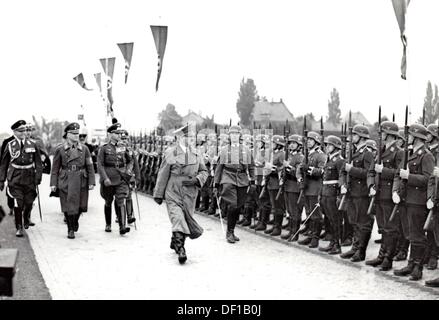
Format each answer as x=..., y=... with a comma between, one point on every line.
x=181, y=175
x=381, y=175
x=72, y=176
x=233, y=174
x=112, y=164
x=358, y=170
x=432, y=251
x=274, y=167
x=133, y=172
x=250, y=204
x=21, y=166
x=10, y=200
x=291, y=188
x=332, y=173
x=419, y=169
x=261, y=155
x=313, y=172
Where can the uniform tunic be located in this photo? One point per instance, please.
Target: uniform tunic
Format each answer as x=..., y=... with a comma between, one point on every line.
x=292, y=188
x=72, y=173
x=178, y=166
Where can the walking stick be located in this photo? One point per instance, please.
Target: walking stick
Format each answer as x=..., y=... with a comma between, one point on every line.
x=307, y=218
x=39, y=204
x=137, y=201
x=221, y=216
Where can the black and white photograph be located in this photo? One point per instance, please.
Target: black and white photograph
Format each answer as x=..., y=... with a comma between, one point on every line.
x=236, y=152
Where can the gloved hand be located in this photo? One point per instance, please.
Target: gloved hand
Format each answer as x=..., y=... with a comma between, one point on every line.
x=404, y=174
x=159, y=201
x=372, y=191
x=395, y=197
x=379, y=168
x=430, y=204
x=107, y=182
x=348, y=167
x=191, y=182
x=309, y=170
x=343, y=189
x=2, y=186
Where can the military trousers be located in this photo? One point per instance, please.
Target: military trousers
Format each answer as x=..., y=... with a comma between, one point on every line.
x=294, y=210
x=417, y=215
x=330, y=208
x=118, y=192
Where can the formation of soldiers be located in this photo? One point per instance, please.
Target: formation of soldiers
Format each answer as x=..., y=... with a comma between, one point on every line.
x=343, y=183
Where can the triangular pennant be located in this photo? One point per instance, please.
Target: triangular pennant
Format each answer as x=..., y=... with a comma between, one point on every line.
x=98, y=80
x=80, y=80
x=127, y=52
x=108, y=66
x=160, y=34
x=400, y=7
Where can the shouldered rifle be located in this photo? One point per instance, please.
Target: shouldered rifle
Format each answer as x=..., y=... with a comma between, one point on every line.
x=342, y=206
x=305, y=153
x=379, y=160
x=343, y=140
x=428, y=226
x=402, y=189
x=283, y=173
x=267, y=176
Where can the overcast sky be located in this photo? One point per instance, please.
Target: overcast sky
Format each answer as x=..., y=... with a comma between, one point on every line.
x=294, y=50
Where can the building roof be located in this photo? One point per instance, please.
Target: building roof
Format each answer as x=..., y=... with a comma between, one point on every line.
x=193, y=117
x=357, y=118
x=265, y=111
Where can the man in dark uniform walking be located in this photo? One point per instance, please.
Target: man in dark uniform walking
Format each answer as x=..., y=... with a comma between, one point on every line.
x=419, y=169
x=234, y=173
x=112, y=163
x=72, y=176
x=21, y=166
x=10, y=200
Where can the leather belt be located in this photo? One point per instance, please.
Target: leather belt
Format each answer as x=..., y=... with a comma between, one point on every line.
x=28, y=166
x=234, y=170
x=115, y=165
x=330, y=182
x=73, y=167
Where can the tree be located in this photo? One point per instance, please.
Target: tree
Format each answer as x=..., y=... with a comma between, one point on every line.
x=169, y=118
x=334, y=112
x=430, y=105
x=246, y=101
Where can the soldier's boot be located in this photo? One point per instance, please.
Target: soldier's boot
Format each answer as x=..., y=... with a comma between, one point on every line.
x=234, y=236
x=18, y=212
x=407, y=269
x=270, y=219
x=294, y=234
x=390, y=250
x=305, y=228
x=277, y=226
x=379, y=259
x=403, y=248
x=315, y=237
x=417, y=272
x=255, y=224
x=229, y=237
x=26, y=216
x=122, y=218
x=290, y=228
x=360, y=255
x=107, y=211
x=269, y=230
x=418, y=254
x=179, y=247
x=262, y=221
x=328, y=247
x=205, y=204
x=432, y=283
x=349, y=254
x=212, y=207
x=129, y=208
x=336, y=248
x=76, y=222
x=432, y=262
x=347, y=242
x=70, y=226
x=308, y=239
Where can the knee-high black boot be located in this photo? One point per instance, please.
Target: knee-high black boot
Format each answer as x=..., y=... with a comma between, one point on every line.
x=18, y=212
x=107, y=211
x=121, y=216
x=70, y=226
x=129, y=208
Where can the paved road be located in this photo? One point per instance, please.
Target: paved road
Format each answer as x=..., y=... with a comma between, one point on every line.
x=140, y=265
